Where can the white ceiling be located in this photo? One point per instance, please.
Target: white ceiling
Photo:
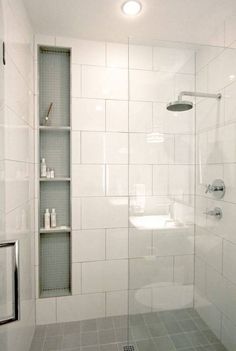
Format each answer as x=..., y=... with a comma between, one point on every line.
x=177, y=20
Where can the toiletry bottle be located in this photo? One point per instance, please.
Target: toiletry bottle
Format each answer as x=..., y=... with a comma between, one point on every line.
x=47, y=219
x=43, y=171
x=53, y=218
x=48, y=173
x=52, y=173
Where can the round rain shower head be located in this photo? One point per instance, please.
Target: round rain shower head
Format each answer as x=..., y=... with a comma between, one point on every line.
x=179, y=106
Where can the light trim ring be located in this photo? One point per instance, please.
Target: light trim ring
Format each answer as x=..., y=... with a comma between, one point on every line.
x=131, y=8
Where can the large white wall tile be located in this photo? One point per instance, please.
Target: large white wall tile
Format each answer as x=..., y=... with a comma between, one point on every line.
x=75, y=145
x=140, y=180
x=183, y=180
x=173, y=242
x=117, y=180
x=88, y=52
x=184, y=149
x=76, y=278
x=116, y=148
x=116, y=116
x=183, y=269
x=76, y=80
x=92, y=147
x=222, y=71
x=229, y=96
x=88, y=245
x=165, y=121
x=116, y=243
x=104, y=147
x=76, y=213
x=140, y=301
x=161, y=179
x=150, y=272
x=140, y=242
x=173, y=60
x=117, y=303
x=46, y=311
x=229, y=260
x=229, y=179
x=151, y=86
x=104, y=276
x=151, y=149
x=140, y=57
x=104, y=212
x=117, y=55
x=88, y=180
x=85, y=52
x=105, y=83
x=88, y=114
x=209, y=248
x=140, y=116
x=80, y=307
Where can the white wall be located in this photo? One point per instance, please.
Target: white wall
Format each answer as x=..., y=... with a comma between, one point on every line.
x=215, y=273
x=124, y=156
x=17, y=164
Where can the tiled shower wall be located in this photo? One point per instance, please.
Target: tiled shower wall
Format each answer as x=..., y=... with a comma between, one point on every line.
x=17, y=168
x=132, y=182
x=215, y=273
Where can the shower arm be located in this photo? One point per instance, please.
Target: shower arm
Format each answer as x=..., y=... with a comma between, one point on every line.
x=198, y=94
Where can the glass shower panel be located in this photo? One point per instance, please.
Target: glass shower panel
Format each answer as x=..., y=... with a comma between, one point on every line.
x=215, y=249
x=182, y=283
x=161, y=191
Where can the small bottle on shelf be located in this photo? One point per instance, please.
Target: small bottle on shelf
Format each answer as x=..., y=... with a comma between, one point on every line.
x=52, y=173
x=43, y=168
x=47, y=219
x=53, y=218
x=48, y=173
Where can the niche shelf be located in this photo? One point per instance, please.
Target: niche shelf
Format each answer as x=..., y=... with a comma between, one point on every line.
x=55, y=146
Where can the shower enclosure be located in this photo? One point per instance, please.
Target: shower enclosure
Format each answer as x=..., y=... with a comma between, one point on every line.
x=181, y=159
x=152, y=199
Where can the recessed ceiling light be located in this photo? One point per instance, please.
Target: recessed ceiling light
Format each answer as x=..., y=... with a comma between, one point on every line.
x=131, y=7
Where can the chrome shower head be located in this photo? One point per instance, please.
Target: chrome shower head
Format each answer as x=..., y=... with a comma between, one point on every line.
x=179, y=106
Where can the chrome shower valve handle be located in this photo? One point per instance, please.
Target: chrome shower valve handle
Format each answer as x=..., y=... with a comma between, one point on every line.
x=217, y=188
x=216, y=212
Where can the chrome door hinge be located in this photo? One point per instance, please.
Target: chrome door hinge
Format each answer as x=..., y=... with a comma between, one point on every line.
x=3, y=53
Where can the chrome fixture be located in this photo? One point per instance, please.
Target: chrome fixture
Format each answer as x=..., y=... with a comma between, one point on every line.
x=15, y=278
x=217, y=213
x=184, y=105
x=217, y=189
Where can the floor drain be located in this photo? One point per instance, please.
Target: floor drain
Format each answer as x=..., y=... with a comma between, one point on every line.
x=129, y=348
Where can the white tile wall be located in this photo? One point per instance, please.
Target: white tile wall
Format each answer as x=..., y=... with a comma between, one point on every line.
x=215, y=243
x=104, y=212
x=116, y=116
x=117, y=243
x=140, y=57
x=17, y=168
x=80, y=307
x=88, y=180
x=124, y=155
x=88, y=114
x=140, y=116
x=117, y=180
x=99, y=276
x=92, y=147
x=104, y=83
x=117, y=55
x=88, y=245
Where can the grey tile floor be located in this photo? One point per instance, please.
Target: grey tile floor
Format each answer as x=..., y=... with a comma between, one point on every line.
x=179, y=330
